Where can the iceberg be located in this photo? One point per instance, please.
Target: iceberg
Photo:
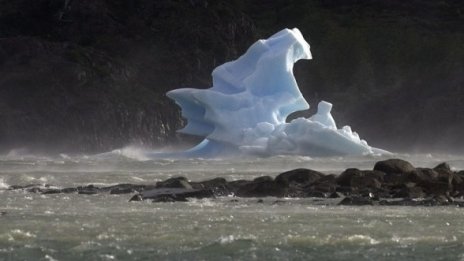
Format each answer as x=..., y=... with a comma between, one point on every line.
x=246, y=109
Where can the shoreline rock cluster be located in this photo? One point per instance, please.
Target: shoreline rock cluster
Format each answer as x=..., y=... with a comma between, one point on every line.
x=391, y=182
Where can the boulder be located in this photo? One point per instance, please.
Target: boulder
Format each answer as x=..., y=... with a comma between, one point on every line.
x=394, y=166
x=300, y=176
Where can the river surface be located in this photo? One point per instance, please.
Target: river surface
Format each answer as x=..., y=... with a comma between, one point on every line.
x=108, y=227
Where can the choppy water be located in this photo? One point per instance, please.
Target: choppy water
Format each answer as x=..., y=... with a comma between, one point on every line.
x=108, y=227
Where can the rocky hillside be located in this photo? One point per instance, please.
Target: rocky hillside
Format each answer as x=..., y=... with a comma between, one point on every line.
x=91, y=75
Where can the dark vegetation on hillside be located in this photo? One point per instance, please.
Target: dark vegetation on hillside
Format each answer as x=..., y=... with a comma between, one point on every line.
x=91, y=75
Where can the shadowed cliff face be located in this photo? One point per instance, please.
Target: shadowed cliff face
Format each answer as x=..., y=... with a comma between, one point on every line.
x=91, y=75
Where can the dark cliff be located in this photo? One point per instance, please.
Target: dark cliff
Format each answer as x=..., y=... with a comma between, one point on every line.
x=91, y=75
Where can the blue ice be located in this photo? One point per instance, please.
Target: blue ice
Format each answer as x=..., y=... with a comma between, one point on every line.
x=246, y=109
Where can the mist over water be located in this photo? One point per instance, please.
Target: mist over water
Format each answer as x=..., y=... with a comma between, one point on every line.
x=129, y=165
x=108, y=227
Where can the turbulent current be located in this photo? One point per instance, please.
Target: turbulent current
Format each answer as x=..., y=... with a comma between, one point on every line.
x=108, y=227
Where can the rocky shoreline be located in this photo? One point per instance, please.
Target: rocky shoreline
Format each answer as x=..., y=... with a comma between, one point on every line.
x=392, y=182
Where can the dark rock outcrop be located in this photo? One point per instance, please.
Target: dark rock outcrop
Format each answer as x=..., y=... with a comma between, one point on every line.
x=400, y=184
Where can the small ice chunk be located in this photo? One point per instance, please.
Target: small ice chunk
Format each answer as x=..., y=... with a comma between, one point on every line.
x=323, y=115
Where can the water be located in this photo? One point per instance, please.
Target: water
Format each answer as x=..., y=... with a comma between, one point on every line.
x=108, y=227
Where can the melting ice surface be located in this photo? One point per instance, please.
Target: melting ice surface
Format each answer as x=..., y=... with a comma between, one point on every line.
x=246, y=109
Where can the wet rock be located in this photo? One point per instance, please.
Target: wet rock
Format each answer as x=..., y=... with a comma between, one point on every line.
x=420, y=175
x=394, y=166
x=237, y=184
x=446, y=174
x=443, y=167
x=436, y=187
x=219, y=186
x=88, y=190
x=170, y=198
x=344, y=179
x=177, y=194
x=117, y=191
x=323, y=187
x=356, y=180
x=394, y=179
x=316, y=194
x=51, y=191
x=35, y=190
x=299, y=176
x=460, y=174
x=401, y=202
x=263, y=178
x=410, y=192
x=327, y=186
x=125, y=188
x=370, y=183
x=177, y=182
x=69, y=190
x=357, y=201
x=426, y=202
x=17, y=187
x=212, y=183
x=418, y=186
x=459, y=183
x=262, y=189
x=379, y=175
